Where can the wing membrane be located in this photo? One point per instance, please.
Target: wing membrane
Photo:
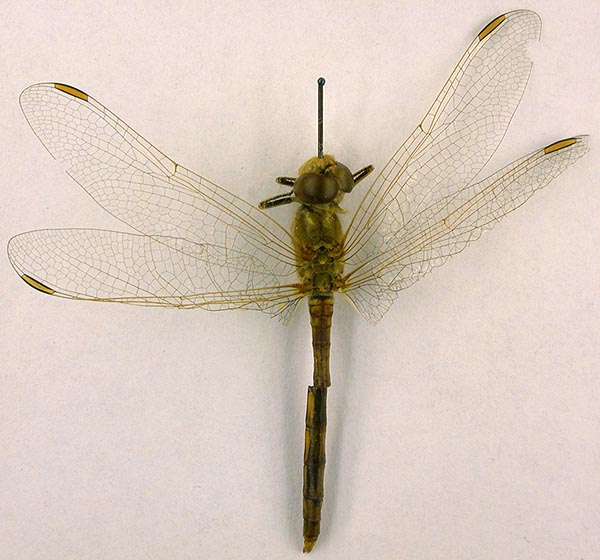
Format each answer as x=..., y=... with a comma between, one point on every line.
x=424, y=205
x=202, y=245
x=100, y=265
x=457, y=136
x=205, y=247
x=139, y=185
x=449, y=225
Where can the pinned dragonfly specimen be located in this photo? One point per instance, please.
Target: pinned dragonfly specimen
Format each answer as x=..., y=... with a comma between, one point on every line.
x=201, y=246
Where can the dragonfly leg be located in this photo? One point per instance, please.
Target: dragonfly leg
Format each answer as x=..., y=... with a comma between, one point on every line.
x=286, y=181
x=362, y=173
x=278, y=200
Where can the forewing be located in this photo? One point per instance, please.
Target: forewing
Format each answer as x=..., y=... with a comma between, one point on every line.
x=99, y=265
x=457, y=136
x=142, y=187
x=450, y=224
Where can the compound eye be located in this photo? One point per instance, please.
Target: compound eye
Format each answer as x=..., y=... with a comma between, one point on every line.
x=316, y=188
x=343, y=176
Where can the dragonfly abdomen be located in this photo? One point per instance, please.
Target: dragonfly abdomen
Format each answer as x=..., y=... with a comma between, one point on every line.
x=314, y=464
x=321, y=312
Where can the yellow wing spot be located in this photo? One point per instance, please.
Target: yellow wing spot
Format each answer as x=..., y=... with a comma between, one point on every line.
x=37, y=285
x=490, y=27
x=559, y=145
x=72, y=91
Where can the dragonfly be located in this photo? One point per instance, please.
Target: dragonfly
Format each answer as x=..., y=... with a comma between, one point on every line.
x=198, y=245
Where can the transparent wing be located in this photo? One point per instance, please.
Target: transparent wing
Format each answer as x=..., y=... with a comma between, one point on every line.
x=139, y=185
x=457, y=136
x=99, y=265
x=451, y=223
x=438, y=162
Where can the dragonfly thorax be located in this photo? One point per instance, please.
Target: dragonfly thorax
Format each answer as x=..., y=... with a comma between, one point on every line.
x=322, y=181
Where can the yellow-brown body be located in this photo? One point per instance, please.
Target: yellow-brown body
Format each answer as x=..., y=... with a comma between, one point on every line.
x=319, y=248
x=317, y=236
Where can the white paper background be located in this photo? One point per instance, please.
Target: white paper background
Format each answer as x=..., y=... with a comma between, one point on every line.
x=466, y=425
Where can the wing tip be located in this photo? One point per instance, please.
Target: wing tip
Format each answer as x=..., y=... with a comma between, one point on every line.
x=491, y=26
x=37, y=285
x=565, y=143
x=496, y=22
x=70, y=90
